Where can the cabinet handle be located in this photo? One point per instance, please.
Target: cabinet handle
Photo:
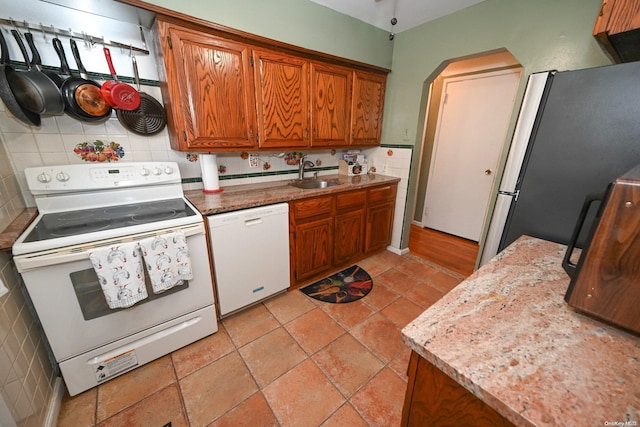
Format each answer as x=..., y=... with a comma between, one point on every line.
x=184, y=136
x=305, y=133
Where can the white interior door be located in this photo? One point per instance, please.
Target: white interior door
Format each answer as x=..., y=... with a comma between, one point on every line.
x=474, y=117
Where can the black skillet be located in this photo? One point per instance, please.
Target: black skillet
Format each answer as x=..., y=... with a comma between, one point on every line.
x=33, y=89
x=68, y=89
x=36, y=61
x=6, y=94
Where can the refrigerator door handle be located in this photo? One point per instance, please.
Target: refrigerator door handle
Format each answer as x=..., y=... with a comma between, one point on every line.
x=513, y=194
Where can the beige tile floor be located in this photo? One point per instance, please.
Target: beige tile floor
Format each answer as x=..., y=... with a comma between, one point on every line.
x=290, y=361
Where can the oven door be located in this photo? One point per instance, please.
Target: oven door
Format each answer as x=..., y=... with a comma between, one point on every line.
x=71, y=306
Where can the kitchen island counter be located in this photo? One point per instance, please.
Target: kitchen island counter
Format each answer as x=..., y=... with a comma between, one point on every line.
x=236, y=197
x=506, y=335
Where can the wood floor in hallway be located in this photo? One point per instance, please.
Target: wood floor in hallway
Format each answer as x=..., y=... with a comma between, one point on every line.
x=452, y=252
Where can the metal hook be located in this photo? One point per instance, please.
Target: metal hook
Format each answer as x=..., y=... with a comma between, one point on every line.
x=44, y=34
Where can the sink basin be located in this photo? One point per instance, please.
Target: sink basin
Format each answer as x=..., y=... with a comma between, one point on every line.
x=308, y=184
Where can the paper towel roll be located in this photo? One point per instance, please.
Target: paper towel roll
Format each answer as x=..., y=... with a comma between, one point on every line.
x=209, y=168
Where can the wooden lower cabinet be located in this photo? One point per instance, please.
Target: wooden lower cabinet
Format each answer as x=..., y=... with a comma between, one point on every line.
x=331, y=232
x=380, y=207
x=314, y=242
x=434, y=399
x=348, y=236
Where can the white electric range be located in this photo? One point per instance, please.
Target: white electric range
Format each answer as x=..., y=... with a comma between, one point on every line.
x=87, y=206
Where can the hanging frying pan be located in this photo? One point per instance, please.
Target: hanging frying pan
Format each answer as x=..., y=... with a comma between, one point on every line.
x=149, y=118
x=6, y=94
x=118, y=95
x=68, y=87
x=33, y=89
x=86, y=93
x=36, y=61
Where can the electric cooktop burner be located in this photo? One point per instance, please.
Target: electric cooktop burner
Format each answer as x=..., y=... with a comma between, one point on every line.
x=72, y=223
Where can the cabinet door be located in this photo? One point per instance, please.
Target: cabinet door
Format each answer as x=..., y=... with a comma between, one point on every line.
x=434, y=399
x=313, y=247
x=209, y=90
x=379, y=226
x=331, y=105
x=348, y=236
x=283, y=99
x=367, y=106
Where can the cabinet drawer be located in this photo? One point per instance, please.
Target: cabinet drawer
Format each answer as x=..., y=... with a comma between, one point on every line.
x=351, y=200
x=312, y=207
x=382, y=194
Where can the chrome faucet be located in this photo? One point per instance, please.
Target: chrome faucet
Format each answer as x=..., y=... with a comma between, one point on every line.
x=303, y=164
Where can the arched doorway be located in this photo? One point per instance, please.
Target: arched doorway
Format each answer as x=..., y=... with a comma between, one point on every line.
x=445, y=162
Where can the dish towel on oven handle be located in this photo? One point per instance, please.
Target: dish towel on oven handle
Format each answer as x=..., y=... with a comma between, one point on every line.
x=120, y=274
x=167, y=259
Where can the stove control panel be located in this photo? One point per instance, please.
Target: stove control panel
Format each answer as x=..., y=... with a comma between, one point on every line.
x=87, y=177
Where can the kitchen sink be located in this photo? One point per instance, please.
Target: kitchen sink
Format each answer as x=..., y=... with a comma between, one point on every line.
x=308, y=184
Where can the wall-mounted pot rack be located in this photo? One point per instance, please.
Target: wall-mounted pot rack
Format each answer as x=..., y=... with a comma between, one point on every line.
x=87, y=38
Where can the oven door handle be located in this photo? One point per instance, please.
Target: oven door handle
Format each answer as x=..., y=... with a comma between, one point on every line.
x=79, y=252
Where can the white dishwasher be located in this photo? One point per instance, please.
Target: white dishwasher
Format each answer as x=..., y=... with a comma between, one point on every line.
x=250, y=254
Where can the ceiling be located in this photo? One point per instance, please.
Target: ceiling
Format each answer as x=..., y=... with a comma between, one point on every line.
x=409, y=13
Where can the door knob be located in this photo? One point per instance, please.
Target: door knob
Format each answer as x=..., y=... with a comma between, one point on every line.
x=488, y=171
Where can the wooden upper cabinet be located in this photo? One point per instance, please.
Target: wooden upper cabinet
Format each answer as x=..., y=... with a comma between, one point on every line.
x=282, y=94
x=367, y=106
x=209, y=91
x=331, y=105
x=617, y=28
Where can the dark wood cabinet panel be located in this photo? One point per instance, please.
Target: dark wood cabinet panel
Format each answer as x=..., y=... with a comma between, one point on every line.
x=379, y=221
x=349, y=229
x=367, y=107
x=209, y=93
x=282, y=94
x=331, y=105
x=379, y=225
x=313, y=248
x=309, y=208
x=434, y=399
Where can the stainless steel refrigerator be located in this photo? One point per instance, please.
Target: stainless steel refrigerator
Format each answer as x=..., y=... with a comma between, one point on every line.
x=576, y=132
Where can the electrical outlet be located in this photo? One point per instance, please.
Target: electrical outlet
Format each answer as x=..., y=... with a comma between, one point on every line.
x=253, y=160
x=385, y=169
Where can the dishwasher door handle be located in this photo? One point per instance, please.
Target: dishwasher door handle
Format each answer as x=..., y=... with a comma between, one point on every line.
x=253, y=221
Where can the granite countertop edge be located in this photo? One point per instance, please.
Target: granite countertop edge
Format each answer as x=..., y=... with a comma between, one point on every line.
x=10, y=234
x=236, y=197
x=506, y=335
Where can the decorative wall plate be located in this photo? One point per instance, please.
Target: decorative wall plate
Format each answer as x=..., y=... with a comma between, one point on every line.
x=99, y=151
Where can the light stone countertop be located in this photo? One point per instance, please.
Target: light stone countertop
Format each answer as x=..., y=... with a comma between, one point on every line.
x=507, y=335
x=251, y=195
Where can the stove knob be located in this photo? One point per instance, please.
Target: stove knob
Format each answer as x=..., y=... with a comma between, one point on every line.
x=44, y=178
x=145, y=172
x=62, y=176
x=168, y=170
x=157, y=171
